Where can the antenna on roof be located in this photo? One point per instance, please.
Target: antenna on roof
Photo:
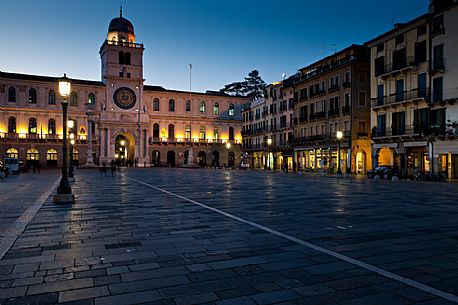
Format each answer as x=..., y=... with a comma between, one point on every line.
x=120, y=12
x=334, y=48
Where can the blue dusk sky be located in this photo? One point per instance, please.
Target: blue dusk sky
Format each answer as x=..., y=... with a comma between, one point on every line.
x=223, y=40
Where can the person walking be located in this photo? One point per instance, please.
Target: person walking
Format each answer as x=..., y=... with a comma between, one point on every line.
x=103, y=170
x=113, y=168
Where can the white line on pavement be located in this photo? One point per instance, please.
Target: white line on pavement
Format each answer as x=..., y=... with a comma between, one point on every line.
x=385, y=273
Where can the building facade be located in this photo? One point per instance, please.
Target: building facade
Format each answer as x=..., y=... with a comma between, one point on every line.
x=254, y=133
x=332, y=95
x=119, y=118
x=413, y=94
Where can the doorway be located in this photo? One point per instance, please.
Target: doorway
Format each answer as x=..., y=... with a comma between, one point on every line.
x=124, y=150
x=171, y=158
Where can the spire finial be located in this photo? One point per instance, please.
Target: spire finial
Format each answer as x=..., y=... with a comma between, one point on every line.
x=120, y=12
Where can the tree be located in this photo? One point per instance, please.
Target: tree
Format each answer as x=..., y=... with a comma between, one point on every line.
x=253, y=86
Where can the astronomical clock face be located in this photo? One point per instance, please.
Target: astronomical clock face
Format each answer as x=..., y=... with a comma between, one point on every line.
x=124, y=98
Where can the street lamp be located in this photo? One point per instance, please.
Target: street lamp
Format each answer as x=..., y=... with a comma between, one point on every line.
x=64, y=191
x=269, y=142
x=339, y=136
x=228, y=146
x=71, y=136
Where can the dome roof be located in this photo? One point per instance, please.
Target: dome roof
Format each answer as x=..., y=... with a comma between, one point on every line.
x=121, y=24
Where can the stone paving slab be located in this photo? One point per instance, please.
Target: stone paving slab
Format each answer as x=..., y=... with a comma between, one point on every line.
x=125, y=243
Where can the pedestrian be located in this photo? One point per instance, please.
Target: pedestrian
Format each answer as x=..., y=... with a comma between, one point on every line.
x=103, y=171
x=113, y=168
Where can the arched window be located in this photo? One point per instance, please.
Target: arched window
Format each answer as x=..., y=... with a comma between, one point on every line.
x=171, y=131
x=156, y=104
x=12, y=94
x=121, y=58
x=32, y=96
x=52, y=126
x=202, y=107
x=231, y=110
x=76, y=154
x=32, y=126
x=187, y=132
x=231, y=133
x=51, y=97
x=202, y=133
x=32, y=154
x=12, y=153
x=188, y=106
x=172, y=105
x=127, y=58
x=73, y=99
x=156, y=130
x=51, y=154
x=216, y=108
x=91, y=99
x=12, y=125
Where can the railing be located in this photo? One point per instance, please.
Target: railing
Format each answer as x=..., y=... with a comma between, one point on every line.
x=401, y=97
x=303, y=119
x=40, y=137
x=346, y=110
x=317, y=116
x=424, y=131
x=123, y=44
x=346, y=84
x=403, y=63
x=322, y=137
x=439, y=64
x=333, y=112
x=333, y=88
x=153, y=140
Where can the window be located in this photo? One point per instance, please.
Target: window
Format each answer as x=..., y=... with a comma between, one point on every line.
x=73, y=99
x=52, y=126
x=187, y=132
x=398, y=120
x=51, y=97
x=362, y=127
x=12, y=153
x=347, y=101
x=438, y=84
x=399, y=59
x=399, y=90
x=156, y=104
x=379, y=65
x=399, y=39
x=32, y=154
x=380, y=94
x=32, y=96
x=156, y=130
x=216, y=109
x=231, y=133
x=202, y=133
x=121, y=58
x=215, y=134
x=12, y=94
x=32, y=126
x=127, y=58
x=12, y=125
x=51, y=155
x=362, y=99
x=420, y=51
x=188, y=106
x=91, y=99
x=381, y=125
x=422, y=92
x=438, y=59
x=202, y=107
x=231, y=110
x=172, y=105
x=438, y=25
x=171, y=131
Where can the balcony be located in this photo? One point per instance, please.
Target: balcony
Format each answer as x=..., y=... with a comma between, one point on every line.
x=191, y=141
x=330, y=137
x=35, y=137
x=346, y=110
x=439, y=64
x=123, y=44
x=406, y=96
x=403, y=64
x=333, y=113
x=411, y=131
x=333, y=88
x=303, y=119
x=346, y=84
x=317, y=116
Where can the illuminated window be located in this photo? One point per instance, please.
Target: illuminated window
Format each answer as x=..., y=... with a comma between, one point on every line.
x=32, y=96
x=202, y=107
x=215, y=134
x=52, y=126
x=12, y=125
x=216, y=109
x=187, y=132
x=202, y=133
x=32, y=154
x=91, y=99
x=32, y=126
x=171, y=131
x=231, y=110
x=51, y=155
x=12, y=153
x=52, y=97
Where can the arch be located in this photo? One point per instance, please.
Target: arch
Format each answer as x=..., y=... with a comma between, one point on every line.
x=121, y=58
x=215, y=159
x=202, y=158
x=156, y=104
x=156, y=158
x=12, y=124
x=361, y=162
x=231, y=133
x=124, y=148
x=231, y=109
x=172, y=105
x=52, y=126
x=156, y=130
x=32, y=157
x=91, y=99
x=12, y=94
x=216, y=108
x=32, y=126
x=188, y=106
x=51, y=97
x=12, y=153
x=171, y=131
x=76, y=157
x=32, y=96
x=230, y=159
x=171, y=158
x=202, y=107
x=51, y=158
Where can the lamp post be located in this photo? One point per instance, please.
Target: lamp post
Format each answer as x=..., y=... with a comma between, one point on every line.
x=228, y=146
x=339, y=136
x=64, y=191
x=71, y=136
x=269, y=142
x=89, y=157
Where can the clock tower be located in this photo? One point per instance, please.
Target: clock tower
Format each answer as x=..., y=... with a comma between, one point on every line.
x=123, y=114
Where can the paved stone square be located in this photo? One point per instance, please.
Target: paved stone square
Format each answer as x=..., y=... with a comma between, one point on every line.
x=182, y=236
